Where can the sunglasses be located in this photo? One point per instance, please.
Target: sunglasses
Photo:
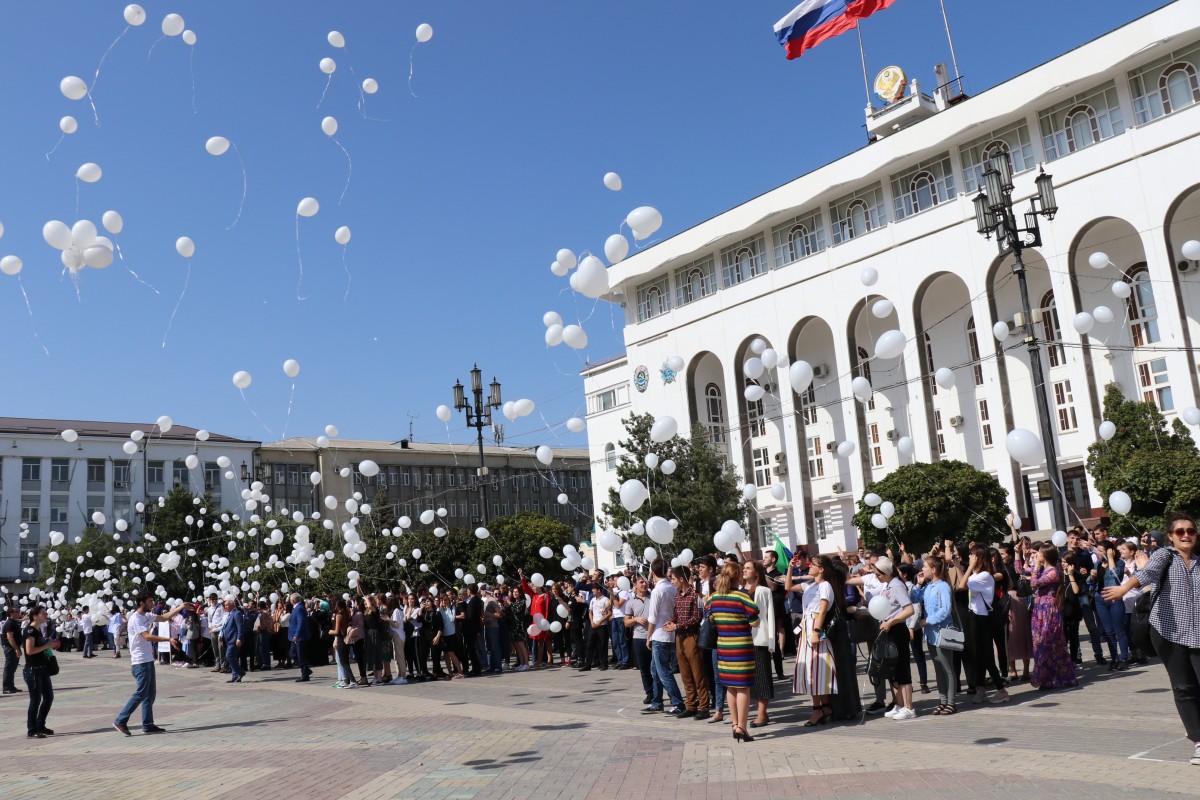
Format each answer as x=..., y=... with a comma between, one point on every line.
x=1184, y=531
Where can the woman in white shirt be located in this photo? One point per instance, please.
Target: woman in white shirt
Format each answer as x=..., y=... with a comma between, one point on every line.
x=754, y=580
x=395, y=622
x=982, y=587
x=815, y=674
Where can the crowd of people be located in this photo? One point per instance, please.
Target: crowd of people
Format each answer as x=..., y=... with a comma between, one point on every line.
x=985, y=617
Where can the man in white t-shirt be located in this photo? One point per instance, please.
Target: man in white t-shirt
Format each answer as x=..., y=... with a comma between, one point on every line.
x=141, y=655
x=600, y=616
x=87, y=625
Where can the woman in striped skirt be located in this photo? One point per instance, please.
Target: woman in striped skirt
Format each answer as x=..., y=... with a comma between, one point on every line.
x=734, y=614
x=815, y=674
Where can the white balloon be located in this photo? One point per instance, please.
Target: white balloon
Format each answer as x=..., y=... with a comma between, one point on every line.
x=135, y=15
x=616, y=247
x=57, y=234
x=845, y=449
x=1059, y=539
x=612, y=181
x=758, y=345
x=1083, y=322
x=872, y=499
x=370, y=86
x=329, y=126
x=882, y=308
x=1000, y=331
x=558, y=269
x=368, y=468
x=443, y=413
x=608, y=540
x=879, y=521
x=663, y=429
x=217, y=145
x=633, y=494
x=1120, y=503
x=754, y=392
x=1107, y=430
x=668, y=467
x=675, y=363
x=113, y=223
x=189, y=38
x=592, y=278
x=860, y=387
x=73, y=88
x=576, y=425
x=68, y=125
x=551, y=318
x=644, y=221
x=1098, y=260
x=887, y=508
x=1102, y=314
x=1024, y=446
x=749, y=491
x=575, y=337
x=890, y=344
x=879, y=607
x=69, y=436
x=659, y=531
x=185, y=247
x=192, y=461
x=753, y=368
x=89, y=172
x=944, y=377
x=554, y=335
x=336, y=39
x=172, y=25
x=536, y=579
x=770, y=359
x=97, y=518
x=291, y=367
x=427, y=516
x=1121, y=290
x=424, y=32
x=11, y=265
x=164, y=423
x=566, y=258
x=651, y=460
x=800, y=375
x=869, y=276
x=242, y=379
x=1191, y=250
x=482, y=533
x=545, y=455
x=1191, y=415
x=130, y=448
x=308, y=207
x=778, y=492
x=327, y=65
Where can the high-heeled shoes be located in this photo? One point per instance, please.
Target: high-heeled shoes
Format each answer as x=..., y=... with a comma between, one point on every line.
x=826, y=715
x=740, y=735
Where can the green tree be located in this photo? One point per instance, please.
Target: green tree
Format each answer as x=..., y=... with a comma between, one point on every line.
x=1156, y=464
x=702, y=493
x=943, y=500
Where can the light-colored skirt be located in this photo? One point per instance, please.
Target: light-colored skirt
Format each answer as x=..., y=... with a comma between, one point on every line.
x=815, y=674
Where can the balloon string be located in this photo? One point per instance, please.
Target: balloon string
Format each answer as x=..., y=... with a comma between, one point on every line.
x=96, y=77
x=54, y=149
x=362, y=98
x=156, y=41
x=300, y=259
x=349, y=171
x=137, y=277
x=349, y=277
x=76, y=197
x=29, y=308
x=288, y=418
x=242, y=204
x=328, y=80
x=192, y=70
x=178, y=303
x=411, y=56
x=255, y=413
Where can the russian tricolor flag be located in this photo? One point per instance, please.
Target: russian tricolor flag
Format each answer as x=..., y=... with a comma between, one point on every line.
x=814, y=21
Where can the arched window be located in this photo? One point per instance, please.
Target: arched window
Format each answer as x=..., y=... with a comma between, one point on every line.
x=973, y=349
x=1179, y=87
x=922, y=191
x=798, y=243
x=857, y=219
x=1083, y=129
x=1051, y=332
x=695, y=282
x=1143, y=313
x=995, y=148
x=654, y=302
x=716, y=412
x=610, y=457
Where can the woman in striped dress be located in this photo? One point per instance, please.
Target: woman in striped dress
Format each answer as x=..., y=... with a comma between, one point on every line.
x=815, y=674
x=734, y=614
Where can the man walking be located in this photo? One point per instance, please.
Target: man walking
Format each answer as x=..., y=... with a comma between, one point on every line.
x=141, y=657
x=231, y=634
x=659, y=611
x=216, y=620
x=87, y=626
x=298, y=636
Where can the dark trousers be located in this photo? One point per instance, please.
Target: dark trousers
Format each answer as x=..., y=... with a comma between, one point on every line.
x=471, y=662
x=1183, y=668
x=41, y=697
x=1093, y=628
x=495, y=657
x=917, y=646
x=578, y=641
x=11, y=659
x=233, y=660
x=264, y=650
x=983, y=655
x=598, y=646
x=301, y=658
x=422, y=663
x=641, y=657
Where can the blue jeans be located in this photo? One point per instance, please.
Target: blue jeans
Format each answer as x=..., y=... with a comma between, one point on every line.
x=718, y=687
x=619, y=645
x=143, y=695
x=495, y=660
x=340, y=653
x=1112, y=621
x=41, y=696
x=231, y=658
x=660, y=670
x=87, y=645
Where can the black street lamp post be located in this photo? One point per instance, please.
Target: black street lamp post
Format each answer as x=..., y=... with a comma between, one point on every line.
x=994, y=214
x=479, y=416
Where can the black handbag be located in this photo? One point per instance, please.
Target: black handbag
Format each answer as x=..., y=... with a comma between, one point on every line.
x=707, y=637
x=881, y=666
x=1139, y=622
x=51, y=663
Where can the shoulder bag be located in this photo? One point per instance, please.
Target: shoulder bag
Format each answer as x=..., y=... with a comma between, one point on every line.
x=1139, y=623
x=881, y=665
x=51, y=663
x=707, y=637
x=951, y=637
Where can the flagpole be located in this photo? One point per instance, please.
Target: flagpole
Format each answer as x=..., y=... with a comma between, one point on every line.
x=863, y=56
x=950, y=39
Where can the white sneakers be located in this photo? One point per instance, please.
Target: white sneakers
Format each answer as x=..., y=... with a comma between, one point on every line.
x=903, y=714
x=399, y=682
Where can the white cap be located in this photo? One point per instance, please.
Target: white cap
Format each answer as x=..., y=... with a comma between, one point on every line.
x=884, y=565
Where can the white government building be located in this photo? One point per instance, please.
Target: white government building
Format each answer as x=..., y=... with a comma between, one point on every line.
x=1116, y=121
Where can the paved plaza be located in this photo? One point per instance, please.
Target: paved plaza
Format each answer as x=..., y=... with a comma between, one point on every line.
x=556, y=733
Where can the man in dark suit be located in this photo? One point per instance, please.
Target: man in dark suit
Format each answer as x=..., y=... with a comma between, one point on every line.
x=472, y=628
x=232, y=633
x=298, y=636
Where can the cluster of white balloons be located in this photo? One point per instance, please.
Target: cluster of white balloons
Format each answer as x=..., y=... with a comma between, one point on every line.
x=515, y=409
x=80, y=244
x=557, y=333
x=887, y=509
x=730, y=537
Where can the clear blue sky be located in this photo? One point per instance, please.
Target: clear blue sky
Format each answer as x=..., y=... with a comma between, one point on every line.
x=457, y=204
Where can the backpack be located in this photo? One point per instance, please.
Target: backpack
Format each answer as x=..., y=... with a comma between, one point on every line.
x=881, y=665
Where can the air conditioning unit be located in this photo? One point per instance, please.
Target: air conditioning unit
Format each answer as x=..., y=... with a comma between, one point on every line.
x=779, y=470
x=839, y=487
x=120, y=485
x=780, y=458
x=956, y=422
x=893, y=435
x=820, y=371
x=831, y=446
x=1186, y=266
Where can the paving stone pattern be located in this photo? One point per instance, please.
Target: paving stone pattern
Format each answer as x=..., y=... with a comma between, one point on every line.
x=557, y=733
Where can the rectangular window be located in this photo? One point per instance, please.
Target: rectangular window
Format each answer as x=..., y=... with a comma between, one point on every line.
x=95, y=470
x=94, y=503
x=1155, y=384
x=808, y=405
x=30, y=513
x=416, y=479
x=405, y=478
x=756, y=420
x=154, y=473
x=1081, y=122
x=31, y=469
x=179, y=474
x=816, y=458
x=1165, y=85
x=858, y=213
x=743, y=261
x=820, y=525
x=60, y=471
x=58, y=515
x=695, y=281
x=296, y=476
x=121, y=474
x=1064, y=404
x=1013, y=140
x=437, y=479
x=212, y=477
x=985, y=425
x=605, y=400
x=29, y=556
x=941, y=437
x=279, y=474
x=798, y=238
x=762, y=467
x=876, y=450
x=922, y=187
x=654, y=298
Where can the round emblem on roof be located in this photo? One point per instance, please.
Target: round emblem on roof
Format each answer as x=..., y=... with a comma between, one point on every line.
x=890, y=83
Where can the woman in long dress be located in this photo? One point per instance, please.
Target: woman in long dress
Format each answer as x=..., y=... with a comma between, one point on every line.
x=1020, y=625
x=1052, y=668
x=734, y=614
x=816, y=673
